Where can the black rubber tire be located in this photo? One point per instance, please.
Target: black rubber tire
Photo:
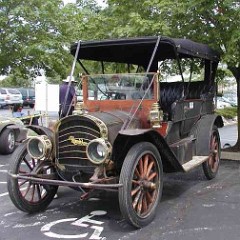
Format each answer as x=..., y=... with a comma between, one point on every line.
x=135, y=158
x=31, y=105
x=7, y=141
x=45, y=193
x=211, y=166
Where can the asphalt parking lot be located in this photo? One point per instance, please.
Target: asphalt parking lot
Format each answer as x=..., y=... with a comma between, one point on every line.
x=191, y=208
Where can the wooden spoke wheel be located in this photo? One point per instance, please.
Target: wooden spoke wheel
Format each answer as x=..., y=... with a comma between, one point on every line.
x=210, y=167
x=28, y=196
x=141, y=176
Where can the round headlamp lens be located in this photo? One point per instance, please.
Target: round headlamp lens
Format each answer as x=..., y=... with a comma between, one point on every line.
x=101, y=151
x=98, y=150
x=36, y=148
x=40, y=147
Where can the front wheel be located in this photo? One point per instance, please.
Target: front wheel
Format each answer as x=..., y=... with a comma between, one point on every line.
x=28, y=196
x=210, y=167
x=141, y=176
x=7, y=141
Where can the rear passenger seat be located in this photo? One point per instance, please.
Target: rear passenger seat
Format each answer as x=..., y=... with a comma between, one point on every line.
x=170, y=92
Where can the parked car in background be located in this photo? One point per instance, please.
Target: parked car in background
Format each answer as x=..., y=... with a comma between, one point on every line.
x=28, y=96
x=222, y=103
x=10, y=96
x=231, y=101
x=8, y=134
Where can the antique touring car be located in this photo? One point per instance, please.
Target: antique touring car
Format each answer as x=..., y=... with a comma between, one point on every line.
x=157, y=116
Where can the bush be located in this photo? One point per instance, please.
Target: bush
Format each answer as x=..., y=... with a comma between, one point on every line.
x=228, y=112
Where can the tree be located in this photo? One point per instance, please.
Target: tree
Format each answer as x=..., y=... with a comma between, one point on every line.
x=34, y=35
x=216, y=23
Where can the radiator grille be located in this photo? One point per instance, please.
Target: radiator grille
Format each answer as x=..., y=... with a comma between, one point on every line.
x=82, y=130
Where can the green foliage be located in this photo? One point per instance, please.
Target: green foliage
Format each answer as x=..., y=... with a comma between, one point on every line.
x=228, y=112
x=35, y=35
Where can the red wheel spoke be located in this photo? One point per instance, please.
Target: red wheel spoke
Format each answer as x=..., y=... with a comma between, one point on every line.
x=211, y=161
x=136, y=172
x=38, y=191
x=145, y=164
x=144, y=204
x=22, y=183
x=213, y=142
x=136, y=199
x=149, y=198
x=139, y=206
x=27, y=190
x=150, y=168
x=152, y=176
x=28, y=164
x=33, y=163
x=33, y=192
x=141, y=167
x=135, y=182
x=134, y=191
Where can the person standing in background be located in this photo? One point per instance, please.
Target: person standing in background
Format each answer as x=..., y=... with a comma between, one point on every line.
x=67, y=97
x=26, y=119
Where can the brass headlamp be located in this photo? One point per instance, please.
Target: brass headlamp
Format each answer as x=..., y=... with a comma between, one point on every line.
x=39, y=147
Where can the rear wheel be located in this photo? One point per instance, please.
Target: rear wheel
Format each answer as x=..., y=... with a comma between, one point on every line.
x=7, y=141
x=28, y=196
x=141, y=176
x=210, y=167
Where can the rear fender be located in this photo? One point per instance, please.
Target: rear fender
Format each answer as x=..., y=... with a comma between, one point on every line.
x=127, y=138
x=202, y=132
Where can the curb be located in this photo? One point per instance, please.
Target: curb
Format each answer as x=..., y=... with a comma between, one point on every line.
x=230, y=156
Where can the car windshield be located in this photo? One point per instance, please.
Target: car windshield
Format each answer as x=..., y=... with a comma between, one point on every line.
x=119, y=86
x=14, y=91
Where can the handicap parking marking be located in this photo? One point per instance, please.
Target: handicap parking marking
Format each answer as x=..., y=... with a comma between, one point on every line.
x=2, y=170
x=5, y=165
x=92, y=227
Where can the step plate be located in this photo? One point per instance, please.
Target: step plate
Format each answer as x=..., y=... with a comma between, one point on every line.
x=196, y=161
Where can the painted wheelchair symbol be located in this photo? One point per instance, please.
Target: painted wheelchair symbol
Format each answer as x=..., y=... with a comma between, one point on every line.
x=87, y=222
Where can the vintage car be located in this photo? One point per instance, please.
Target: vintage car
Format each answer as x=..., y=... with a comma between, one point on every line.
x=9, y=132
x=157, y=116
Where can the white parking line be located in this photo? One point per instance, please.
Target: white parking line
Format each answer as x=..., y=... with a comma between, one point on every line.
x=3, y=171
x=6, y=193
x=3, y=182
x=3, y=194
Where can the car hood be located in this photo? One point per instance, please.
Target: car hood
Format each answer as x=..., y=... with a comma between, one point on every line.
x=10, y=120
x=114, y=121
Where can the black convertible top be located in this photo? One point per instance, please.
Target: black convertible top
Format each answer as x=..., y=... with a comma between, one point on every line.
x=139, y=50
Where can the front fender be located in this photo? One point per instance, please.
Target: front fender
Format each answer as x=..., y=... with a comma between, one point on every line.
x=41, y=131
x=127, y=138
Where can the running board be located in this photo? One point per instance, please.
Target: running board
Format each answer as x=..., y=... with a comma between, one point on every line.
x=196, y=161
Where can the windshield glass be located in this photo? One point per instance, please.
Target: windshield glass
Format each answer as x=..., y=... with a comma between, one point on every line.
x=119, y=86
